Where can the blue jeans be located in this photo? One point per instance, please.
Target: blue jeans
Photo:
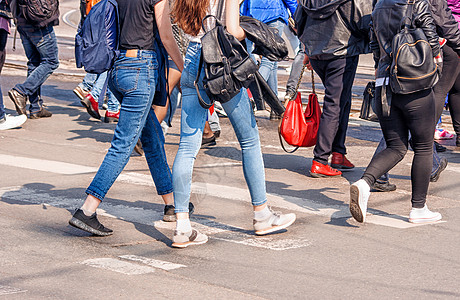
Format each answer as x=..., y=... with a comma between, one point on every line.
x=112, y=102
x=192, y=123
x=133, y=82
x=41, y=50
x=88, y=81
x=269, y=69
x=2, y=107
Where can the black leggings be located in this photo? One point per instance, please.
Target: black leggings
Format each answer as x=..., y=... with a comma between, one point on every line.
x=454, y=105
x=415, y=113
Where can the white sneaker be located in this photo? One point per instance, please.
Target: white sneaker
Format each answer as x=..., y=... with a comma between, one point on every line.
x=185, y=239
x=423, y=215
x=359, y=195
x=10, y=122
x=274, y=222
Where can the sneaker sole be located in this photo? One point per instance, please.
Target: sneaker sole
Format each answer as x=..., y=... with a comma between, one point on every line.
x=80, y=225
x=110, y=120
x=79, y=95
x=319, y=175
x=169, y=218
x=20, y=110
x=89, y=109
x=355, y=209
x=275, y=228
x=186, y=244
x=424, y=221
x=341, y=167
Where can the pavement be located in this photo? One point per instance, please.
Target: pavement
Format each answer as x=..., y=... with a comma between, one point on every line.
x=46, y=165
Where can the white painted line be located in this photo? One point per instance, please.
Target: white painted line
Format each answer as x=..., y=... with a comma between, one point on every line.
x=119, y=266
x=44, y=165
x=395, y=221
x=159, y=264
x=8, y=290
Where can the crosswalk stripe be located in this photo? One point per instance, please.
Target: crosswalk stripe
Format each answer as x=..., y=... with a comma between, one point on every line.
x=8, y=290
x=119, y=266
x=159, y=264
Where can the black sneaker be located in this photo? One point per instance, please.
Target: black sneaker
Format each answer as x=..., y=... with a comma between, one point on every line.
x=170, y=216
x=89, y=224
x=19, y=101
x=439, y=147
x=206, y=142
x=384, y=186
x=43, y=113
x=442, y=165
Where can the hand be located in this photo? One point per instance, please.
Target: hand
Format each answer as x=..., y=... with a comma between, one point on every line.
x=306, y=61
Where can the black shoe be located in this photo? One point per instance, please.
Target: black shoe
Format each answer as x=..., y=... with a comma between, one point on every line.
x=19, y=101
x=442, y=165
x=384, y=186
x=206, y=142
x=439, y=147
x=216, y=133
x=138, y=148
x=43, y=113
x=89, y=224
x=274, y=116
x=170, y=216
x=457, y=141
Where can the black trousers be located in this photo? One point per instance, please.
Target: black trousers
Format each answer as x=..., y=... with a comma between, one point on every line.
x=415, y=113
x=454, y=105
x=337, y=76
x=449, y=75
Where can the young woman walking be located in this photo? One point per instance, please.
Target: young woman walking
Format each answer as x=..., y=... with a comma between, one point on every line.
x=133, y=81
x=188, y=15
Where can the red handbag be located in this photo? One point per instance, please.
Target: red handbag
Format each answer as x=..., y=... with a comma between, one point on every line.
x=300, y=128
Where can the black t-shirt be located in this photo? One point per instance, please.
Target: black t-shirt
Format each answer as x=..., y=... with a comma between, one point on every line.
x=137, y=19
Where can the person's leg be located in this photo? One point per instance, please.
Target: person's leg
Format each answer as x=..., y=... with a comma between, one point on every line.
x=88, y=81
x=3, y=39
x=173, y=80
x=133, y=80
x=40, y=46
x=454, y=107
x=296, y=70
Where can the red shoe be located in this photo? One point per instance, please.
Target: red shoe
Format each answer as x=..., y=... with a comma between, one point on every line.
x=339, y=161
x=111, y=116
x=92, y=107
x=319, y=170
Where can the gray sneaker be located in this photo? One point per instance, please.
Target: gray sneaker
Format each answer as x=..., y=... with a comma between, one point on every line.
x=276, y=221
x=185, y=239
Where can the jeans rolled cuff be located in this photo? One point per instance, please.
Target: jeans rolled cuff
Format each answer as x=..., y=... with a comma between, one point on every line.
x=161, y=193
x=94, y=194
x=258, y=203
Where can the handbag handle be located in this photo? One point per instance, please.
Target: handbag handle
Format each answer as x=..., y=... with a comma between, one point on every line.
x=300, y=80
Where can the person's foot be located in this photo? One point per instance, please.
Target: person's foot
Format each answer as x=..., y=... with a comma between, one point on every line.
x=185, y=239
x=80, y=92
x=274, y=116
x=169, y=214
x=442, y=134
x=359, y=196
x=423, y=215
x=290, y=95
x=209, y=141
x=319, y=170
x=111, y=117
x=19, y=101
x=384, y=186
x=10, y=122
x=457, y=141
x=339, y=161
x=216, y=133
x=43, y=113
x=89, y=224
x=92, y=106
x=439, y=147
x=442, y=165
x=274, y=222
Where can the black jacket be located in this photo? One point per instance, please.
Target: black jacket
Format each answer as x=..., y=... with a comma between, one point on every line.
x=446, y=25
x=386, y=23
x=332, y=29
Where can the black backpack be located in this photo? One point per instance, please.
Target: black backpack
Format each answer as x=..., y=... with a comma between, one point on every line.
x=412, y=68
x=39, y=12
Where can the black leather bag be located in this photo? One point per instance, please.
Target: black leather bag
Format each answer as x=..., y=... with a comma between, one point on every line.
x=227, y=65
x=412, y=68
x=368, y=105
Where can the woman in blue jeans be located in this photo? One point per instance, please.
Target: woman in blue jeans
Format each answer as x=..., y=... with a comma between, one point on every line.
x=188, y=14
x=133, y=81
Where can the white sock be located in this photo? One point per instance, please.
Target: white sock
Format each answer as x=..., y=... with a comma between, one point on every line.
x=183, y=225
x=262, y=214
x=87, y=213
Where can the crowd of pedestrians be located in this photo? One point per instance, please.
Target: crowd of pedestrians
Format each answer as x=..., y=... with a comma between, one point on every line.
x=331, y=37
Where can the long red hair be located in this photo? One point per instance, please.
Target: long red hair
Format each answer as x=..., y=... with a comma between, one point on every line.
x=189, y=13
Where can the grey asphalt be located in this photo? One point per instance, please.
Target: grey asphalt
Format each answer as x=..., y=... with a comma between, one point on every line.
x=323, y=255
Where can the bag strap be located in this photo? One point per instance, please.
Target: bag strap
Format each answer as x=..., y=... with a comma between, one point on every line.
x=409, y=13
x=282, y=143
x=195, y=83
x=220, y=9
